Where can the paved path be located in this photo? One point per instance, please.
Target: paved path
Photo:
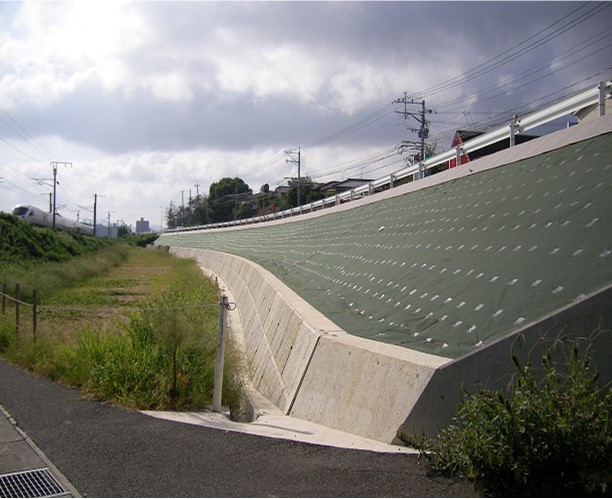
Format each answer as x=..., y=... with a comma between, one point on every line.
x=106, y=451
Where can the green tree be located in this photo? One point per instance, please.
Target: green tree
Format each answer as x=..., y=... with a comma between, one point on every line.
x=123, y=230
x=229, y=199
x=308, y=193
x=198, y=214
x=172, y=216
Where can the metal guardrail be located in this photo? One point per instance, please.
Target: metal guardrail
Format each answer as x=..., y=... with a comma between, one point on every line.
x=592, y=96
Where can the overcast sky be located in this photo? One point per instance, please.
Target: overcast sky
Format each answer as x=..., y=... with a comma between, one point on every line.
x=148, y=99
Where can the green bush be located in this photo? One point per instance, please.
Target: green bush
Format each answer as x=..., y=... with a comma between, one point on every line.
x=548, y=436
x=164, y=359
x=21, y=242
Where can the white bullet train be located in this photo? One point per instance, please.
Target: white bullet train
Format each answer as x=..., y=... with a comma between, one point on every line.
x=36, y=216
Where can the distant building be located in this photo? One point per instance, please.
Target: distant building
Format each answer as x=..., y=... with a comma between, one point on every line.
x=463, y=136
x=142, y=226
x=338, y=186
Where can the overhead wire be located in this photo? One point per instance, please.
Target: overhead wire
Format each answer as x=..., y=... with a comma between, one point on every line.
x=70, y=203
x=512, y=53
x=23, y=133
x=505, y=57
x=501, y=88
x=364, y=122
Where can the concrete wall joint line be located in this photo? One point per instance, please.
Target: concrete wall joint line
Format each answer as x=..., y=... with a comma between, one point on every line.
x=299, y=385
x=260, y=321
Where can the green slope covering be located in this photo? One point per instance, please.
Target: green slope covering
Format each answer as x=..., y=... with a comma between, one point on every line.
x=452, y=267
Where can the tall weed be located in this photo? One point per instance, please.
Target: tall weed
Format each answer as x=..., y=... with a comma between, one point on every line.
x=47, y=278
x=163, y=359
x=548, y=436
x=161, y=356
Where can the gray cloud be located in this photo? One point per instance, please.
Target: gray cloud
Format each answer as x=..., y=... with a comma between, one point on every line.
x=206, y=82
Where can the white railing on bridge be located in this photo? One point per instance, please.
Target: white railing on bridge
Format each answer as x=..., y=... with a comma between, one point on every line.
x=594, y=95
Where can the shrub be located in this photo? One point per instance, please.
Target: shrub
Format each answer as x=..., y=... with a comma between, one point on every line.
x=165, y=358
x=547, y=437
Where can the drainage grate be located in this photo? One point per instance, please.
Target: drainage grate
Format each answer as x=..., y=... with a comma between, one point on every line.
x=32, y=483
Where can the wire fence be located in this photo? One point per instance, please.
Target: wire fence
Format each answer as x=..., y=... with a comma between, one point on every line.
x=17, y=303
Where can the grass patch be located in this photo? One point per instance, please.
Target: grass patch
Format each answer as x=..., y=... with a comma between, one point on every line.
x=22, y=243
x=48, y=278
x=547, y=436
x=142, y=334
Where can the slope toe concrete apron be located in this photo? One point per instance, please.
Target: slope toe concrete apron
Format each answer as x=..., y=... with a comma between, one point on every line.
x=312, y=369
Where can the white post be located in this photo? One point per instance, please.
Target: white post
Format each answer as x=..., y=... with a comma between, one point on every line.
x=220, y=350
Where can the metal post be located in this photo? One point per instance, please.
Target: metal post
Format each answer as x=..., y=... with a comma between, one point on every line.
x=54, y=165
x=220, y=350
x=458, y=156
x=95, y=214
x=602, y=98
x=423, y=133
x=299, y=163
x=513, y=130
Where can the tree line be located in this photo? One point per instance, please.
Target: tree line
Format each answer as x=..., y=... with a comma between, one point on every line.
x=232, y=199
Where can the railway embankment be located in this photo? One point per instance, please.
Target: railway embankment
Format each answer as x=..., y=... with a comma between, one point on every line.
x=426, y=288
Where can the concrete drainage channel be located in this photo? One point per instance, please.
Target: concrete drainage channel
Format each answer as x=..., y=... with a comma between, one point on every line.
x=262, y=418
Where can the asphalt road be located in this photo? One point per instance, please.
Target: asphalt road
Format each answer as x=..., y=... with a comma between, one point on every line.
x=107, y=451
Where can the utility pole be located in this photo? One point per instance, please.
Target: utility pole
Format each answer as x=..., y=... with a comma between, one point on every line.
x=95, y=212
x=54, y=165
x=183, y=208
x=197, y=186
x=295, y=161
x=109, y=224
x=235, y=199
x=423, y=130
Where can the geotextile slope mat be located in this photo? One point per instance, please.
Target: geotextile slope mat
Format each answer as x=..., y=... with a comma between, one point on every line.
x=449, y=268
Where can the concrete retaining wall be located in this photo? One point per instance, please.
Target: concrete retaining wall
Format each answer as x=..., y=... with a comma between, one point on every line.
x=588, y=321
x=309, y=367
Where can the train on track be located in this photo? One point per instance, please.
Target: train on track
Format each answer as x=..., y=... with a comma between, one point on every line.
x=36, y=216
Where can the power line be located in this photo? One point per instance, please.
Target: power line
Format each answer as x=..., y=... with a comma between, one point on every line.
x=512, y=53
x=23, y=133
x=364, y=122
x=546, y=65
